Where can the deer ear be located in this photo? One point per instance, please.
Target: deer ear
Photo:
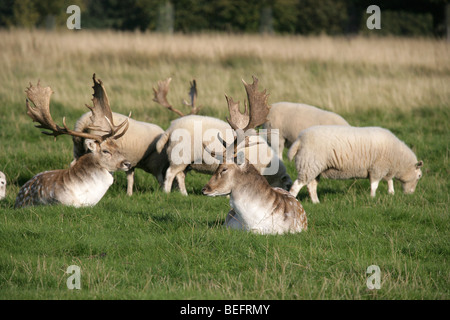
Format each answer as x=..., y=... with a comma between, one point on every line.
x=241, y=160
x=91, y=144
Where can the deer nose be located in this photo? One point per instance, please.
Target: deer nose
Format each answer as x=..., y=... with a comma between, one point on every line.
x=205, y=190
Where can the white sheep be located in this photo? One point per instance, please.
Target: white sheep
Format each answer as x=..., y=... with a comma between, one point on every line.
x=344, y=152
x=291, y=118
x=184, y=141
x=138, y=146
x=2, y=185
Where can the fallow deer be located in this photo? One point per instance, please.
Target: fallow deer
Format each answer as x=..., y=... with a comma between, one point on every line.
x=256, y=206
x=88, y=179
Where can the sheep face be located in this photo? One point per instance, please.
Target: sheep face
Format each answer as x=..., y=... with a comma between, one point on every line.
x=409, y=182
x=2, y=186
x=280, y=180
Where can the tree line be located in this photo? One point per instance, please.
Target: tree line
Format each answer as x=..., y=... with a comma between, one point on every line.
x=334, y=17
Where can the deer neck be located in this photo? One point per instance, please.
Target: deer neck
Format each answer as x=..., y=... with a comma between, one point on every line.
x=88, y=180
x=87, y=167
x=249, y=198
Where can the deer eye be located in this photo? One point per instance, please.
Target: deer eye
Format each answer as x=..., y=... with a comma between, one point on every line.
x=224, y=170
x=106, y=152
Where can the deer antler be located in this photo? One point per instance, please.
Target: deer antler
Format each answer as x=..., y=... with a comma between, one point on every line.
x=101, y=117
x=41, y=112
x=257, y=111
x=40, y=97
x=237, y=119
x=161, y=96
x=254, y=115
x=193, y=96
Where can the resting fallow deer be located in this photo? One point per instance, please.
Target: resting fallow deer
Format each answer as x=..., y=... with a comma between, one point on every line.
x=256, y=206
x=88, y=179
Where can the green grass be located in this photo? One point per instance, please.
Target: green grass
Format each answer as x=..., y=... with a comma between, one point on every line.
x=166, y=246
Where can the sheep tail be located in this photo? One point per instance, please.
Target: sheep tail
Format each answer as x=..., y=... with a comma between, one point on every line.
x=293, y=149
x=162, y=142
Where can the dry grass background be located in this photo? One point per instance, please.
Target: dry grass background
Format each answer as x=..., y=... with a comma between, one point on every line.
x=340, y=74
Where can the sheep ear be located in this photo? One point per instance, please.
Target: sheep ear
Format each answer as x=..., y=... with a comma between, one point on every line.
x=419, y=164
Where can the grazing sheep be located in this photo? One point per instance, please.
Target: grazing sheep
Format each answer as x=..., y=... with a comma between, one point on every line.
x=138, y=146
x=193, y=131
x=343, y=152
x=291, y=118
x=2, y=185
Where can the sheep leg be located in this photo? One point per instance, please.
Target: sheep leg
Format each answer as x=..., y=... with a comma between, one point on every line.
x=130, y=182
x=296, y=186
x=312, y=188
x=281, y=147
x=170, y=175
x=181, y=176
x=390, y=183
x=373, y=187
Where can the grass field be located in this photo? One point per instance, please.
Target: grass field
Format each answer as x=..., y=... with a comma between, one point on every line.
x=166, y=246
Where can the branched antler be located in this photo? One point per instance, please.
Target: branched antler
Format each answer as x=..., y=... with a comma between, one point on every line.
x=161, y=96
x=193, y=96
x=40, y=112
x=257, y=111
x=254, y=115
x=40, y=97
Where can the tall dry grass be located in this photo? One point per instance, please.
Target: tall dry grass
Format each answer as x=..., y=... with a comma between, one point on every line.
x=340, y=74
x=386, y=51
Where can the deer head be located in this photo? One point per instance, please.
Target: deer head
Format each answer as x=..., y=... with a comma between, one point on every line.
x=102, y=145
x=236, y=165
